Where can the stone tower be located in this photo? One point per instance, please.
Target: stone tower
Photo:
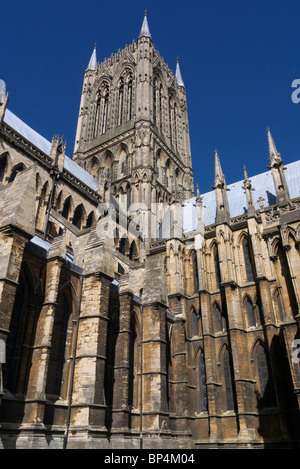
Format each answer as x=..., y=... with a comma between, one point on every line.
x=132, y=131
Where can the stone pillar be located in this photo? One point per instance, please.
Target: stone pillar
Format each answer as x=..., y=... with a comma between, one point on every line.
x=88, y=404
x=244, y=386
x=154, y=406
x=154, y=395
x=120, y=417
x=36, y=391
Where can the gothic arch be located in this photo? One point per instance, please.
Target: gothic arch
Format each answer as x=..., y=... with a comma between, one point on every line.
x=202, y=398
x=68, y=208
x=5, y=166
x=94, y=167
x=227, y=378
x=15, y=170
x=69, y=285
x=79, y=216
x=248, y=260
x=248, y=309
x=101, y=100
x=90, y=220
x=193, y=316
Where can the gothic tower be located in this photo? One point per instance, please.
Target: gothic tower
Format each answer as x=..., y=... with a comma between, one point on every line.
x=132, y=133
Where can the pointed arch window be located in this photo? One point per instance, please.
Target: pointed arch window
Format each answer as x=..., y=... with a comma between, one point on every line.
x=250, y=313
x=133, y=253
x=194, y=323
x=129, y=97
x=3, y=166
x=248, y=260
x=120, y=100
x=266, y=395
x=90, y=220
x=218, y=319
x=217, y=266
x=66, y=208
x=228, y=381
x=133, y=364
x=203, y=401
x=101, y=116
x=195, y=272
x=17, y=169
x=78, y=216
x=279, y=305
x=154, y=100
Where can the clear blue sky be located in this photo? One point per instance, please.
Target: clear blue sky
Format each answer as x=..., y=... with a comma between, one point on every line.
x=238, y=60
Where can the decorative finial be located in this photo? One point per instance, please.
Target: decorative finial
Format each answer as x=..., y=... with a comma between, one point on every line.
x=145, y=12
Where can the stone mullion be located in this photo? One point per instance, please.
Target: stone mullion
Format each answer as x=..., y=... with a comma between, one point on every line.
x=120, y=418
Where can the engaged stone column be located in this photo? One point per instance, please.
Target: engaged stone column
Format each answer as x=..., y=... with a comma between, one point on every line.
x=120, y=411
x=88, y=403
x=35, y=406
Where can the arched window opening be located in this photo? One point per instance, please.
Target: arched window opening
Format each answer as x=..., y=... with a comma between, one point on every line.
x=217, y=266
x=250, y=314
x=248, y=260
x=203, y=401
x=228, y=381
x=194, y=323
x=195, y=273
x=121, y=101
x=90, y=220
x=78, y=216
x=154, y=100
x=266, y=395
x=95, y=167
x=122, y=245
x=129, y=97
x=133, y=253
x=101, y=116
x=160, y=107
x=218, y=319
x=128, y=197
x=66, y=208
x=17, y=169
x=133, y=372
x=3, y=167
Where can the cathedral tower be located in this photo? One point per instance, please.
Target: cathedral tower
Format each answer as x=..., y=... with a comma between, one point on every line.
x=132, y=131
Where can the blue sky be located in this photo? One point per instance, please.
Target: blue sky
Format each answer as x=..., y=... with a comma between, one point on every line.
x=238, y=60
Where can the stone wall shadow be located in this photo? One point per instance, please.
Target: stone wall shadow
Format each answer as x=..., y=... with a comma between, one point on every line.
x=279, y=416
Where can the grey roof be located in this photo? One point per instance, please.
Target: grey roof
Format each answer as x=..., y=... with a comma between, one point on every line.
x=262, y=183
x=27, y=132
x=263, y=186
x=45, y=146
